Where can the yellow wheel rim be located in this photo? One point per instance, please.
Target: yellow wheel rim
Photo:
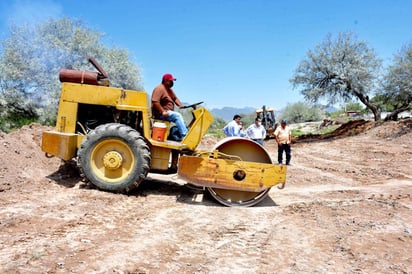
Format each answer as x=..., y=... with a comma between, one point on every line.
x=112, y=160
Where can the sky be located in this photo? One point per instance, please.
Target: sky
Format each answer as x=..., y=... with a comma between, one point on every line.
x=235, y=53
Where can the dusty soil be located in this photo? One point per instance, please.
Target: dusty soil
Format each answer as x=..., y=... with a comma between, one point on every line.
x=346, y=208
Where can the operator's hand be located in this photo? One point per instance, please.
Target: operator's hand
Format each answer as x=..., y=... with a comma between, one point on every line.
x=165, y=113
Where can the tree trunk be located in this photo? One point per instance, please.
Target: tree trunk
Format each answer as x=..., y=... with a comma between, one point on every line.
x=375, y=109
x=394, y=114
x=391, y=117
x=376, y=112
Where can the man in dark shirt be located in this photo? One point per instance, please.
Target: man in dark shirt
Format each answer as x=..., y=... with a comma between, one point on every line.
x=163, y=104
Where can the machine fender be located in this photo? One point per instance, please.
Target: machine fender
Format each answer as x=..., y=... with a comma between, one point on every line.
x=230, y=174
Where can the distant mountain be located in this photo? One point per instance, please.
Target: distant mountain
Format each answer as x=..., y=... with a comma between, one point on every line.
x=227, y=113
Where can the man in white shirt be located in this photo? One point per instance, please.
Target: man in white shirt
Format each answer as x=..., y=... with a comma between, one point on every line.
x=256, y=131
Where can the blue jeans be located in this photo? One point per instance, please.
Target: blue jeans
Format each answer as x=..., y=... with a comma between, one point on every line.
x=259, y=141
x=176, y=118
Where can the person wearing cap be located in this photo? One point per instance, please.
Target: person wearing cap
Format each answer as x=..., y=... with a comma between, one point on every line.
x=163, y=104
x=256, y=131
x=284, y=139
x=232, y=128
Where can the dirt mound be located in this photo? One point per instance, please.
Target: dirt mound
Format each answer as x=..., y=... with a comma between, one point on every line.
x=392, y=129
x=355, y=127
x=22, y=158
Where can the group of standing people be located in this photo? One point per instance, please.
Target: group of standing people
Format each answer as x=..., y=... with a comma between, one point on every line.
x=257, y=133
x=163, y=103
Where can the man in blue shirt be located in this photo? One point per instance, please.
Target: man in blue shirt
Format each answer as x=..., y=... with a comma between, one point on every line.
x=232, y=128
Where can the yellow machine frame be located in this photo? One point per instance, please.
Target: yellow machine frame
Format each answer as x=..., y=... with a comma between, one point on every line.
x=202, y=169
x=63, y=142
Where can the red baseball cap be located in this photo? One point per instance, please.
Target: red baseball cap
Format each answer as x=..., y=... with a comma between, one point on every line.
x=168, y=76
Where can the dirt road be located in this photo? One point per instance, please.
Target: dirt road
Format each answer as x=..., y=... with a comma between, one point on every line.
x=346, y=208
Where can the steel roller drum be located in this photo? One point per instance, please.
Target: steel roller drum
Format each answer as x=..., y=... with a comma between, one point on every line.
x=246, y=150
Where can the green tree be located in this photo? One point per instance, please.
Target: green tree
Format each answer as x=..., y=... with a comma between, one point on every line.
x=32, y=55
x=301, y=112
x=339, y=69
x=216, y=128
x=353, y=106
x=248, y=119
x=396, y=94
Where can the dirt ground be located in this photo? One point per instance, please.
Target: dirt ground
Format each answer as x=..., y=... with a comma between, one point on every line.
x=346, y=208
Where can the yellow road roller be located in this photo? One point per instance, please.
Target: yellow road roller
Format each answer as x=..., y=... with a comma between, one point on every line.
x=112, y=136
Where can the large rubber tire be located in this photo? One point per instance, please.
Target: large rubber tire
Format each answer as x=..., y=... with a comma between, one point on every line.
x=247, y=150
x=114, y=157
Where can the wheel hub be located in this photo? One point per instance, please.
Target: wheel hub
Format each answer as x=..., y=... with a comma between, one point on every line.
x=112, y=160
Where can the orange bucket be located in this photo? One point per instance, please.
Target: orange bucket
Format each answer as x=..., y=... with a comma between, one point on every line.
x=159, y=131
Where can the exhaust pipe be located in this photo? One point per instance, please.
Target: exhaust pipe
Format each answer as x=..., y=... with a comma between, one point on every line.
x=99, y=78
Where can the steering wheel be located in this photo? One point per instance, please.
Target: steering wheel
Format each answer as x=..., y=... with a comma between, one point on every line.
x=192, y=105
